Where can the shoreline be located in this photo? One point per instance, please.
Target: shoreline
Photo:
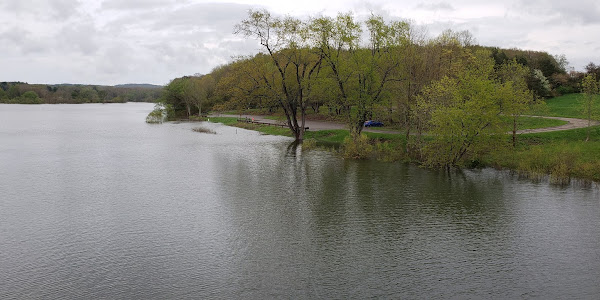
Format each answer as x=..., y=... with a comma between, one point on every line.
x=527, y=161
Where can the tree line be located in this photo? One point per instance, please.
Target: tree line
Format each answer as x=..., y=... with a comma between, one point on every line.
x=452, y=96
x=24, y=93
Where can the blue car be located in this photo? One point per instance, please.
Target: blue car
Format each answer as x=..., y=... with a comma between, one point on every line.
x=372, y=123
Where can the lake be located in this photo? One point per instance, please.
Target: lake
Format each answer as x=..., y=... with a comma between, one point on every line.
x=97, y=204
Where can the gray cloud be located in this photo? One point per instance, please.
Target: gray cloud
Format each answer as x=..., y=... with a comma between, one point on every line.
x=82, y=36
x=118, y=41
x=42, y=10
x=440, y=6
x=134, y=4
x=584, y=11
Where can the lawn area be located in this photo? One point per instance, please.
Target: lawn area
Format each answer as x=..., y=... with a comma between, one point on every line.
x=562, y=154
x=534, y=123
x=569, y=106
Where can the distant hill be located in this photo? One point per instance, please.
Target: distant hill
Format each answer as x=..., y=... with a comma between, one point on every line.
x=139, y=85
x=13, y=92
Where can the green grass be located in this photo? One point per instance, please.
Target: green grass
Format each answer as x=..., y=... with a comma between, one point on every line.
x=569, y=106
x=225, y=120
x=534, y=123
x=328, y=136
x=561, y=154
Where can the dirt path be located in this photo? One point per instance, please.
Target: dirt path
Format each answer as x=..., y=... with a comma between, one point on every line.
x=323, y=125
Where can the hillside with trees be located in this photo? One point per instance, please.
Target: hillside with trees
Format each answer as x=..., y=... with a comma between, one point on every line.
x=24, y=93
x=452, y=97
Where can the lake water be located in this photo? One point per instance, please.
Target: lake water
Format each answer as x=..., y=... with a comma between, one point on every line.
x=97, y=204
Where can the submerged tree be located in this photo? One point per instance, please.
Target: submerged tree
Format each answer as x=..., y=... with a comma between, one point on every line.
x=285, y=41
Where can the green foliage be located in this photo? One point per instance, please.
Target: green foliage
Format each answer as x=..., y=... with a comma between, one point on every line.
x=569, y=106
x=30, y=97
x=356, y=146
x=561, y=154
x=590, y=92
x=309, y=144
x=76, y=93
x=462, y=113
x=515, y=98
x=14, y=92
x=328, y=136
x=160, y=113
x=155, y=116
x=539, y=84
x=362, y=72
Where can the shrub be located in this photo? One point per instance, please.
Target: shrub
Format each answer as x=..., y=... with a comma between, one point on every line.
x=356, y=146
x=155, y=116
x=309, y=144
x=160, y=113
x=30, y=97
x=204, y=130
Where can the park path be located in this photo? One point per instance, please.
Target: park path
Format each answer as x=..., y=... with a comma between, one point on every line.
x=311, y=124
x=572, y=123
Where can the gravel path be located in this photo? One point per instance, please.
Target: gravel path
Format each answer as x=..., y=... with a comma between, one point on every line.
x=572, y=124
x=323, y=125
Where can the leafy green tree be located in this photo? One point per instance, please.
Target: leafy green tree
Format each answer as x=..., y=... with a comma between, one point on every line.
x=462, y=114
x=200, y=90
x=30, y=97
x=592, y=68
x=3, y=95
x=88, y=94
x=250, y=83
x=362, y=74
x=285, y=41
x=538, y=83
x=14, y=92
x=173, y=95
x=515, y=97
x=429, y=61
x=590, y=93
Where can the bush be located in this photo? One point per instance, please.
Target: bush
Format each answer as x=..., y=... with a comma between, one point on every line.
x=204, y=130
x=387, y=151
x=563, y=90
x=29, y=97
x=356, y=146
x=309, y=144
x=158, y=115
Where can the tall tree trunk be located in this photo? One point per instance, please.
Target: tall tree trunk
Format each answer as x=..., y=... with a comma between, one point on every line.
x=514, y=132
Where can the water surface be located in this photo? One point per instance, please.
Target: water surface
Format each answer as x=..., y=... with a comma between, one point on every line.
x=96, y=204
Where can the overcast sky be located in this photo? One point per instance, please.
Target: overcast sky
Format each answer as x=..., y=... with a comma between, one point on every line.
x=153, y=41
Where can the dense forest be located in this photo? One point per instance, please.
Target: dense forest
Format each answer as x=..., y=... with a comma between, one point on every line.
x=24, y=93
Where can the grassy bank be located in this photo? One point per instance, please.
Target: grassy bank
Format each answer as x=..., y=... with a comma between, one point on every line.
x=561, y=154
x=568, y=106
